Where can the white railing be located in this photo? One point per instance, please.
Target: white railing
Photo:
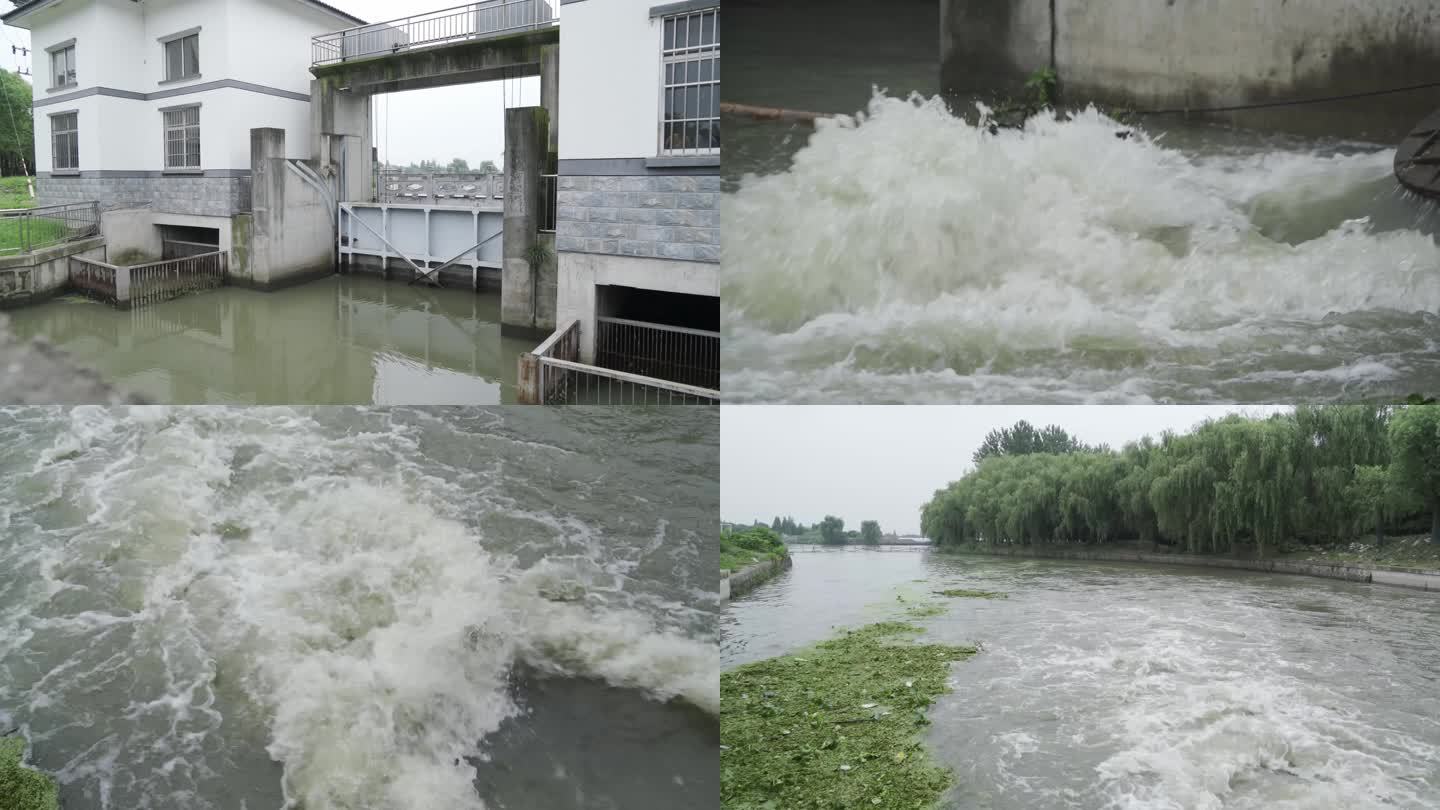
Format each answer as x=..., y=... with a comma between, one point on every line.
x=150, y=283
x=554, y=375
x=160, y=281
x=484, y=20
x=460, y=189
x=95, y=279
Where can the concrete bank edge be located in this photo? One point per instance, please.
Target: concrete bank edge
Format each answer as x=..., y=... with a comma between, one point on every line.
x=750, y=577
x=1350, y=572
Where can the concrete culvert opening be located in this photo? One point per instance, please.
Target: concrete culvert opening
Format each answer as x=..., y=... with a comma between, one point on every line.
x=671, y=336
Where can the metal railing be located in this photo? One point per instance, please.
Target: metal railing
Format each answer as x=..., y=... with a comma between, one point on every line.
x=560, y=378
x=549, y=196
x=483, y=20
x=445, y=188
x=163, y=280
x=674, y=353
x=180, y=249
x=94, y=279
x=23, y=230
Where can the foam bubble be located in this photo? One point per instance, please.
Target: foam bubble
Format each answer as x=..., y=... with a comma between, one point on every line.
x=907, y=243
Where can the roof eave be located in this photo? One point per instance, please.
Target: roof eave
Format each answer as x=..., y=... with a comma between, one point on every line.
x=14, y=14
x=11, y=16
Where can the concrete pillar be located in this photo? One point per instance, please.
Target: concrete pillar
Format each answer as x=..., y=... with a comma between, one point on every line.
x=267, y=202
x=550, y=100
x=341, y=139
x=526, y=134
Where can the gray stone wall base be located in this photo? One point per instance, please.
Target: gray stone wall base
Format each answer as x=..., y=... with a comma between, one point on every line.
x=198, y=196
x=658, y=216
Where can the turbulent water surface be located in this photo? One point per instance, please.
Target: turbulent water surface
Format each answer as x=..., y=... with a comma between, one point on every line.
x=915, y=257
x=352, y=340
x=1130, y=687
x=345, y=609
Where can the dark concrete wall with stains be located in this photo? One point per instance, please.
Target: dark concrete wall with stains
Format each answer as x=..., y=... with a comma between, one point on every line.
x=1149, y=54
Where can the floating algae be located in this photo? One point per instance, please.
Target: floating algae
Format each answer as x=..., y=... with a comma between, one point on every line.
x=836, y=726
x=22, y=788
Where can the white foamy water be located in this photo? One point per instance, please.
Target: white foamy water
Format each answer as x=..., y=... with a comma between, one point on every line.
x=325, y=609
x=910, y=256
x=1114, y=687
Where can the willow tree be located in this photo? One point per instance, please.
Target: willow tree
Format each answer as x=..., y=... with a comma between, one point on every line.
x=1335, y=441
x=870, y=532
x=1228, y=483
x=1415, y=452
x=1372, y=498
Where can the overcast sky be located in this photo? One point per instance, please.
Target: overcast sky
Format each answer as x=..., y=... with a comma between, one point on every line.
x=869, y=462
x=466, y=121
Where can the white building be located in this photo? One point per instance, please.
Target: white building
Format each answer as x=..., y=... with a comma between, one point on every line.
x=637, y=222
x=150, y=103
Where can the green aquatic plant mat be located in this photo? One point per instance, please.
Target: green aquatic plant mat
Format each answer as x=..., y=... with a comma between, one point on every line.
x=22, y=788
x=965, y=593
x=835, y=726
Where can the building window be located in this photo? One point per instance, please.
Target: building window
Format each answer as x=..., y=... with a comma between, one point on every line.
x=65, y=141
x=182, y=57
x=690, y=116
x=182, y=138
x=62, y=67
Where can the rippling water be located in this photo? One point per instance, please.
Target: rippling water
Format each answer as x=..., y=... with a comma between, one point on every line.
x=349, y=608
x=914, y=257
x=1127, y=687
x=342, y=340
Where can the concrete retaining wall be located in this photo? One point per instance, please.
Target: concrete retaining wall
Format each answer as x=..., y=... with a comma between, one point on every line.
x=289, y=237
x=31, y=277
x=750, y=577
x=1146, y=54
x=1350, y=572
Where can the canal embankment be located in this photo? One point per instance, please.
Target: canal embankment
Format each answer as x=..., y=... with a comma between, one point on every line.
x=1231, y=60
x=750, y=557
x=735, y=583
x=1417, y=578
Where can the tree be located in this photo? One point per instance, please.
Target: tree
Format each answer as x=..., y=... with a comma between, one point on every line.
x=1228, y=484
x=832, y=530
x=458, y=165
x=1372, y=496
x=17, y=127
x=1415, y=453
x=488, y=167
x=870, y=532
x=1022, y=439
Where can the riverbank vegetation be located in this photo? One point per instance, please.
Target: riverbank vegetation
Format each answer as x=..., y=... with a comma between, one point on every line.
x=835, y=726
x=23, y=788
x=753, y=545
x=829, y=531
x=1238, y=485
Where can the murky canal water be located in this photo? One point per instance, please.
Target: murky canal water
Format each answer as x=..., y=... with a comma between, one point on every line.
x=344, y=340
x=917, y=258
x=1127, y=686
x=402, y=608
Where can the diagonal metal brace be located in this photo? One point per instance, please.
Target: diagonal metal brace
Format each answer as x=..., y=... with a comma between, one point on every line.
x=398, y=252
x=426, y=276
